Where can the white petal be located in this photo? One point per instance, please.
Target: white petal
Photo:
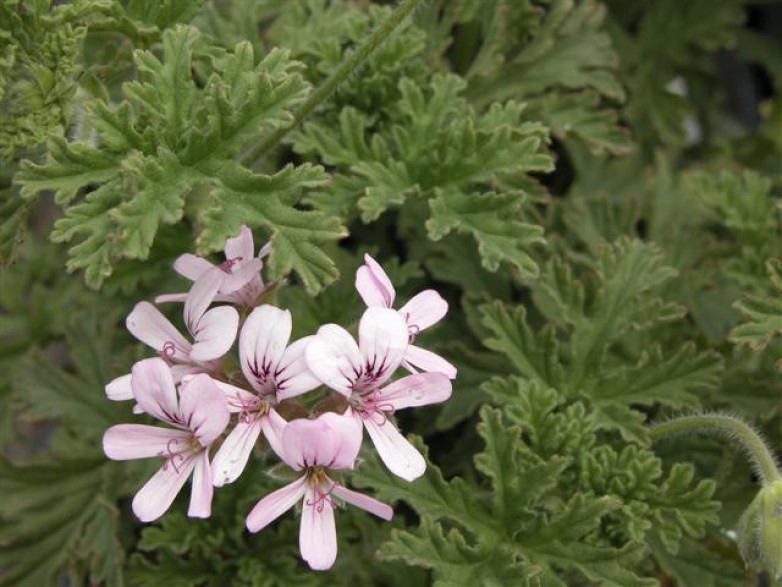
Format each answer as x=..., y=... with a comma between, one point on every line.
x=309, y=443
x=334, y=358
x=317, y=533
x=202, y=490
x=238, y=399
x=215, y=333
x=273, y=425
x=348, y=433
x=148, y=325
x=262, y=342
x=119, y=389
x=201, y=295
x=373, y=506
x=421, y=389
x=383, y=339
x=157, y=495
x=125, y=442
x=275, y=504
x=232, y=457
x=373, y=284
x=401, y=457
x=428, y=361
x=191, y=266
x=241, y=246
x=174, y=297
x=203, y=408
x=424, y=309
x=153, y=388
x=240, y=275
x=293, y=376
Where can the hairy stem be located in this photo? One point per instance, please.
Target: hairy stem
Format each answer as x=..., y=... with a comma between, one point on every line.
x=352, y=64
x=753, y=444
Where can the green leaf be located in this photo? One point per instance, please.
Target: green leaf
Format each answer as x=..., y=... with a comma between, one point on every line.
x=560, y=62
x=440, y=149
x=534, y=356
x=454, y=561
x=488, y=217
x=52, y=510
x=763, y=315
x=529, y=529
x=167, y=151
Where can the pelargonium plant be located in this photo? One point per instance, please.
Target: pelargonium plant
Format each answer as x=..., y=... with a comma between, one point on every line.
x=189, y=387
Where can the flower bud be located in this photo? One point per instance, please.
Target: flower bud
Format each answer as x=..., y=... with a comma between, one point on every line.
x=760, y=530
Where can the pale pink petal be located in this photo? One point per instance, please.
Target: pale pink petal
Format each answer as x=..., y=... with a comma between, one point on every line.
x=308, y=443
x=373, y=284
x=293, y=375
x=181, y=372
x=119, y=389
x=202, y=490
x=373, y=506
x=125, y=442
x=265, y=250
x=174, y=297
x=262, y=342
x=428, y=361
x=215, y=333
x=153, y=388
x=424, y=309
x=148, y=325
x=238, y=399
x=273, y=425
x=203, y=408
x=335, y=359
x=157, y=495
x=241, y=246
x=401, y=457
x=275, y=504
x=421, y=389
x=348, y=433
x=201, y=295
x=191, y=266
x=383, y=339
x=232, y=457
x=241, y=274
x=317, y=533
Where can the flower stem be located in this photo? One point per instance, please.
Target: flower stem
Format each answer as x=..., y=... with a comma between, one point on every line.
x=348, y=67
x=753, y=444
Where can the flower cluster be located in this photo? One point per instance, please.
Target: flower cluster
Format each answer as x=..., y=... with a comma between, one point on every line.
x=186, y=386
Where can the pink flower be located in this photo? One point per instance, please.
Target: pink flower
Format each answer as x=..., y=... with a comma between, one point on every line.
x=359, y=371
x=199, y=416
x=241, y=271
x=422, y=311
x=329, y=442
x=213, y=334
x=276, y=372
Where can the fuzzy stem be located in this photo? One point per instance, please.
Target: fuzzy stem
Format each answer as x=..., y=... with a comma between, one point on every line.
x=734, y=428
x=352, y=64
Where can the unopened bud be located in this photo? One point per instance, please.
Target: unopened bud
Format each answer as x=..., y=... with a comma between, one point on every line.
x=760, y=530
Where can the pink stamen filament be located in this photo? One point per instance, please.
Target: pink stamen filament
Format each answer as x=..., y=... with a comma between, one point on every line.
x=170, y=456
x=412, y=331
x=322, y=498
x=168, y=351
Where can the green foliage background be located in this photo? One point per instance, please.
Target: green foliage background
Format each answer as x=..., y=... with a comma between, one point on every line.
x=568, y=173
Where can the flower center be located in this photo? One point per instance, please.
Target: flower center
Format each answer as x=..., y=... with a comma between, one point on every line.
x=227, y=265
x=174, y=456
x=317, y=479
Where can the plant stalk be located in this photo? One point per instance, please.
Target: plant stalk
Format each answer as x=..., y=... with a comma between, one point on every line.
x=753, y=444
x=352, y=64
